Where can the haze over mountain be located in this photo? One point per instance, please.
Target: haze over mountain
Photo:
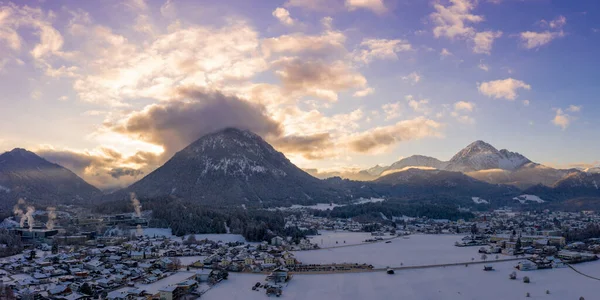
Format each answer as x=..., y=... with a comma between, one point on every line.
x=25, y=175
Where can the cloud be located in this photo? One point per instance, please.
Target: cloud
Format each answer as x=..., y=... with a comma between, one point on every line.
x=526, y=102
x=328, y=43
x=363, y=93
x=420, y=106
x=312, y=147
x=120, y=172
x=445, y=52
x=484, y=41
x=461, y=111
x=464, y=106
x=104, y=168
x=194, y=113
x=318, y=78
x=561, y=119
x=381, y=49
x=114, y=70
x=380, y=138
x=483, y=67
x=376, y=6
x=413, y=78
x=574, y=108
x=557, y=23
x=506, y=88
x=168, y=9
x=392, y=110
x=283, y=15
x=531, y=40
x=452, y=21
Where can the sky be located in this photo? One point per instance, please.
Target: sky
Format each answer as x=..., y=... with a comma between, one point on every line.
x=112, y=89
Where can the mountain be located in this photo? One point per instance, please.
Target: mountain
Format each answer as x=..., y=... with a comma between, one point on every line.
x=25, y=175
x=480, y=155
x=524, y=177
x=233, y=166
x=573, y=187
x=440, y=183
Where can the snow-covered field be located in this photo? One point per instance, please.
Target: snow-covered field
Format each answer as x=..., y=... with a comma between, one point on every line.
x=529, y=198
x=326, y=206
x=478, y=200
x=329, y=238
x=173, y=279
x=450, y=283
x=414, y=250
x=188, y=260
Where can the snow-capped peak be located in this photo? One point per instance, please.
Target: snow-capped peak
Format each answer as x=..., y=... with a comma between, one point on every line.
x=480, y=155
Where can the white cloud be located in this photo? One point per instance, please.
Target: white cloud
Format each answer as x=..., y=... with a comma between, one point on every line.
x=380, y=49
x=413, y=78
x=379, y=139
x=557, y=23
x=484, y=41
x=392, y=110
x=283, y=15
x=505, y=88
x=574, y=108
x=453, y=21
x=464, y=106
x=328, y=43
x=561, y=119
x=483, y=67
x=63, y=98
x=531, y=40
x=318, y=78
x=526, y=102
x=445, y=52
x=168, y=9
x=376, y=6
x=364, y=92
x=420, y=106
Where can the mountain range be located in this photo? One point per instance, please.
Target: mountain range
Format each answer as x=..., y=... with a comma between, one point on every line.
x=479, y=160
x=233, y=167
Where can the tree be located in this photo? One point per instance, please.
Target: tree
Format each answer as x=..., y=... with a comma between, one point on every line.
x=484, y=257
x=175, y=264
x=32, y=255
x=191, y=240
x=86, y=289
x=474, y=229
x=54, y=248
x=518, y=244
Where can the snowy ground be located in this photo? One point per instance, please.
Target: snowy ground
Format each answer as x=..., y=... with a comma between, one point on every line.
x=528, y=198
x=173, y=279
x=213, y=237
x=188, y=260
x=326, y=206
x=412, y=251
x=450, y=283
x=329, y=238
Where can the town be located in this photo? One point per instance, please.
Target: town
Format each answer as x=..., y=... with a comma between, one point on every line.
x=130, y=260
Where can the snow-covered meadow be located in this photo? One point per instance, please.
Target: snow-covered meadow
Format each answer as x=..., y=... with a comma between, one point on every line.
x=413, y=250
x=449, y=283
x=328, y=238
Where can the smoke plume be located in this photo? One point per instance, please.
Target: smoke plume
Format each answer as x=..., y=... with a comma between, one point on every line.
x=136, y=205
x=139, y=230
x=51, y=217
x=29, y=216
x=19, y=212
